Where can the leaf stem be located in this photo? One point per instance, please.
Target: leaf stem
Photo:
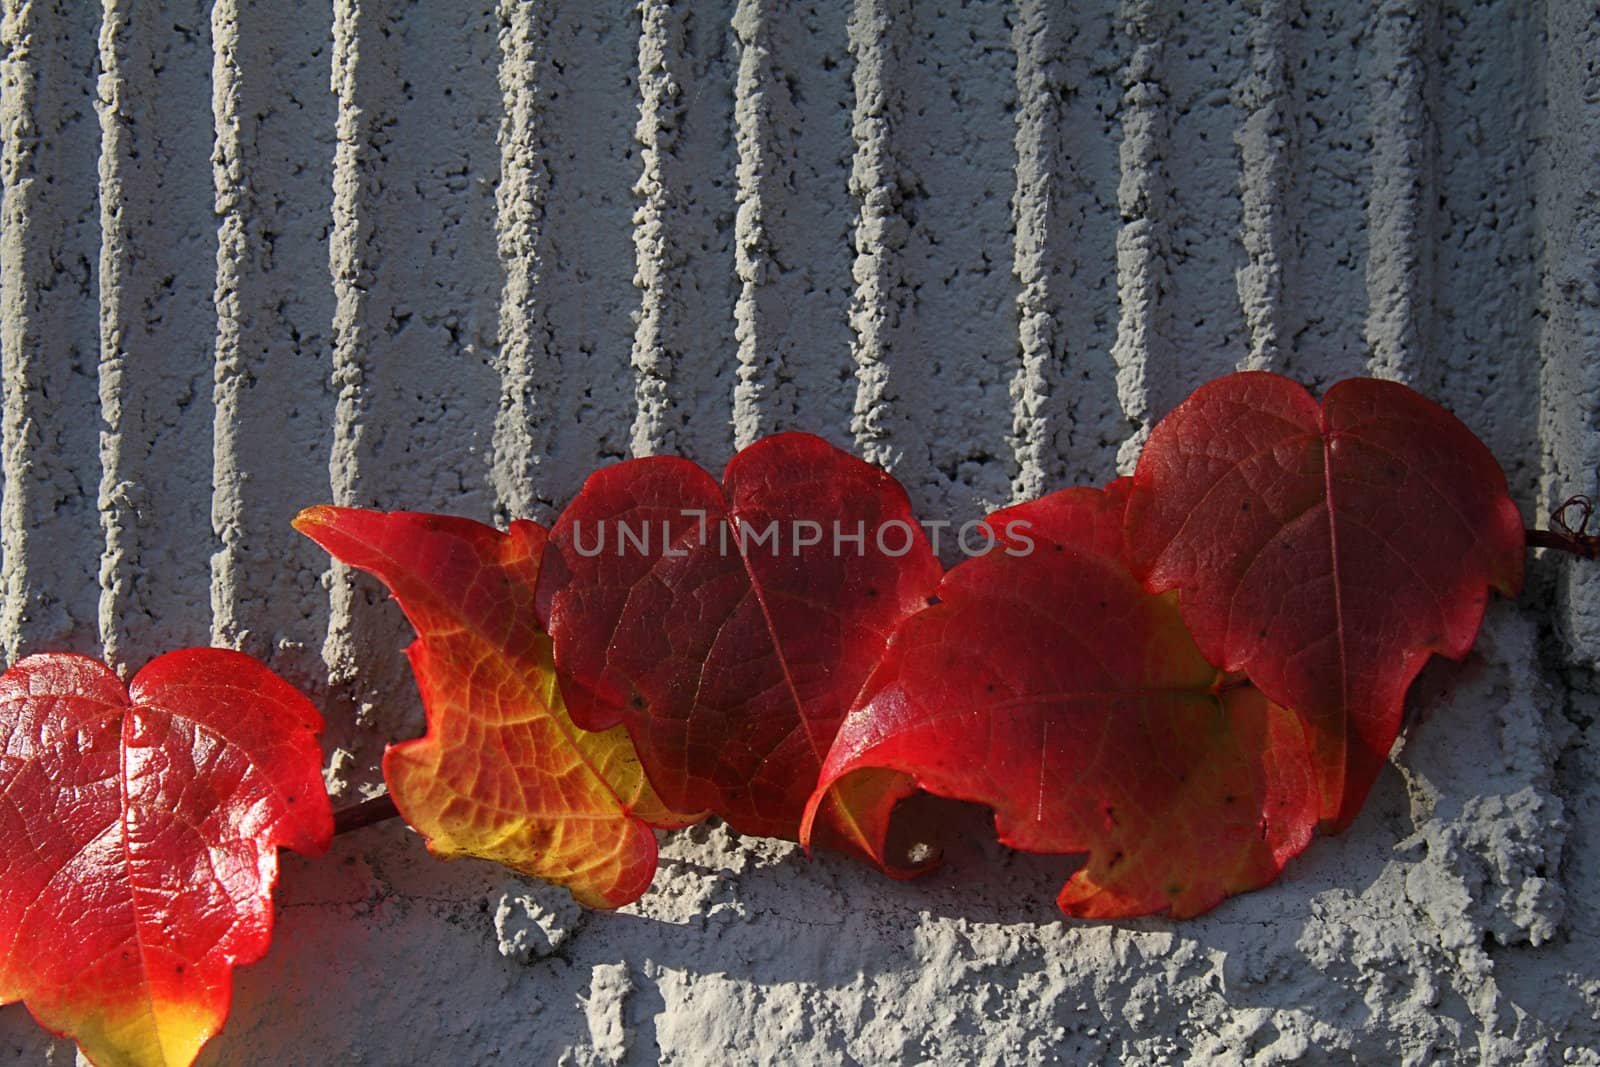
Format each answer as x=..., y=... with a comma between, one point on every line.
x=1584, y=546
x=374, y=810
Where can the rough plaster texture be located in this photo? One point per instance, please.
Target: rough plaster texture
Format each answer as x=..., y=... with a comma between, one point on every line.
x=452, y=256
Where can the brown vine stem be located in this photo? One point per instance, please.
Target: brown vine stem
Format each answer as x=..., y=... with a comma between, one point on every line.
x=377, y=809
x=1587, y=547
x=1570, y=532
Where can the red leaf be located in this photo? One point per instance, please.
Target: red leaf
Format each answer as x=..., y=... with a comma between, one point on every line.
x=1079, y=519
x=1051, y=687
x=731, y=658
x=139, y=831
x=1326, y=551
x=502, y=773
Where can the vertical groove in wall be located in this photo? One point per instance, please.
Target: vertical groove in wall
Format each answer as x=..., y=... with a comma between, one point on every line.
x=684, y=340
x=1142, y=242
x=1266, y=149
x=272, y=180
x=1569, y=224
x=524, y=427
x=959, y=332
x=435, y=308
x=155, y=325
x=1204, y=60
x=792, y=229
x=48, y=330
x=1303, y=151
x=877, y=32
x=1320, y=224
x=586, y=301
x=1066, y=420
x=1485, y=302
x=1401, y=193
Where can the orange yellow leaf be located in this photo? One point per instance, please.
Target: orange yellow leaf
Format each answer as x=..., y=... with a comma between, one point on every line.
x=502, y=773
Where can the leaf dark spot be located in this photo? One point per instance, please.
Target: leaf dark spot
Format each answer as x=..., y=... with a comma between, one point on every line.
x=872, y=594
x=1174, y=889
x=1116, y=859
x=1244, y=505
x=1229, y=799
x=636, y=702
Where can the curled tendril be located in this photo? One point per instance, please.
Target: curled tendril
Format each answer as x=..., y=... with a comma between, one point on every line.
x=1570, y=522
x=1584, y=506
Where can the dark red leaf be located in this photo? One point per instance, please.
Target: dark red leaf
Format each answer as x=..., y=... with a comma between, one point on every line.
x=1325, y=550
x=1048, y=685
x=732, y=658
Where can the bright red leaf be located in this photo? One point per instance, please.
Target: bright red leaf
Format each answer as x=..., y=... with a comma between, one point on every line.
x=502, y=773
x=730, y=626
x=139, y=831
x=1048, y=685
x=1325, y=550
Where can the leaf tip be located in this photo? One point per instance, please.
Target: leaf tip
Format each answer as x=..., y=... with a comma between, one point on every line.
x=315, y=517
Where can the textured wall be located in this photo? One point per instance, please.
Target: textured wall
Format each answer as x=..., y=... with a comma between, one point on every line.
x=443, y=255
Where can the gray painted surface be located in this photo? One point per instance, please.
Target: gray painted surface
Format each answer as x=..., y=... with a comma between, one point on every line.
x=453, y=256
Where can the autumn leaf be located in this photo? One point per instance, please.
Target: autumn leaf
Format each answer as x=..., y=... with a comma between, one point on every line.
x=1049, y=686
x=1325, y=550
x=1080, y=519
x=139, y=830
x=728, y=627
x=502, y=773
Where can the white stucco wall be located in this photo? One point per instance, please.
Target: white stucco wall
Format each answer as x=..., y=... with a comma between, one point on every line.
x=445, y=256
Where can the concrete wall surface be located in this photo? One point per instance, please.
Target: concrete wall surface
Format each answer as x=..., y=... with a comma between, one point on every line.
x=452, y=256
